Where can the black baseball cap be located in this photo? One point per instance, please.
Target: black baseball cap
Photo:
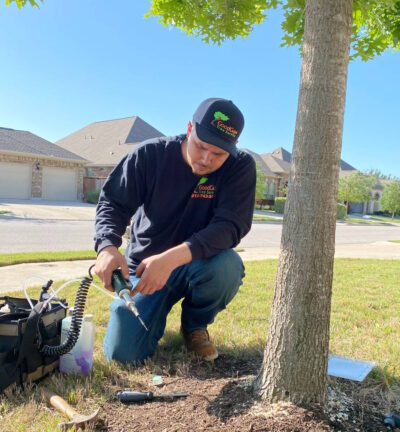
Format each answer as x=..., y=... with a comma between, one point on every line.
x=219, y=122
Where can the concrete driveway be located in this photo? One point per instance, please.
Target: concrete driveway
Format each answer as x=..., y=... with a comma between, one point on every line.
x=40, y=225
x=48, y=210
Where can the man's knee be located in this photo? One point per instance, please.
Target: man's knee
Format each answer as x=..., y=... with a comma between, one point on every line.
x=219, y=277
x=227, y=268
x=126, y=341
x=229, y=264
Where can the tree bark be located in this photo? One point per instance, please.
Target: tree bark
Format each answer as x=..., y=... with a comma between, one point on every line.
x=296, y=355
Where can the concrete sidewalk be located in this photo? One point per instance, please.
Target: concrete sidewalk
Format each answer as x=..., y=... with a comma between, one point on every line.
x=12, y=278
x=377, y=250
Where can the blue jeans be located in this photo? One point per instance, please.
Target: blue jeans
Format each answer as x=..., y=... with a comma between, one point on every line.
x=206, y=286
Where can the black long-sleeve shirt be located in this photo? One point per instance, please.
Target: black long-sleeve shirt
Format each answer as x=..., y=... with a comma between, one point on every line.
x=171, y=205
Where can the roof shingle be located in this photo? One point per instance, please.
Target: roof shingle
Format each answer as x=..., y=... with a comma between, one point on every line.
x=26, y=142
x=107, y=142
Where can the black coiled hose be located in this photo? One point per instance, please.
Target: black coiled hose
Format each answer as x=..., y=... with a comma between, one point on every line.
x=76, y=321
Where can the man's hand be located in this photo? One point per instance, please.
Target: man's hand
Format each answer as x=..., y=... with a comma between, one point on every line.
x=154, y=271
x=108, y=260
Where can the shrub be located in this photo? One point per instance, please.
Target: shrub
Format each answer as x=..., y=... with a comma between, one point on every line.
x=382, y=213
x=93, y=196
x=341, y=211
x=279, y=205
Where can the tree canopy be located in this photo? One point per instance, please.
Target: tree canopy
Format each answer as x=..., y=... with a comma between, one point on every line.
x=376, y=22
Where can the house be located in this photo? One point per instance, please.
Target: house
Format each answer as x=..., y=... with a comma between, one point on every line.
x=103, y=144
x=32, y=167
x=276, y=168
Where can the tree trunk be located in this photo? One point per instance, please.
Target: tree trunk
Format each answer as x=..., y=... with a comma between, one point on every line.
x=296, y=354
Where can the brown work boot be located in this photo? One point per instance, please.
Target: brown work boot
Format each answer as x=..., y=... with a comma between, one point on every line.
x=198, y=341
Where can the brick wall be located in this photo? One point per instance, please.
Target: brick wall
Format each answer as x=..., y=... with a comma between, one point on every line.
x=98, y=172
x=38, y=173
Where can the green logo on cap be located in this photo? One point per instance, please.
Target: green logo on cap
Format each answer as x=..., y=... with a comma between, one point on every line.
x=218, y=115
x=218, y=122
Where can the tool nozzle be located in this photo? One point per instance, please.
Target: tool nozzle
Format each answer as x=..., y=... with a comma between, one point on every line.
x=132, y=307
x=142, y=322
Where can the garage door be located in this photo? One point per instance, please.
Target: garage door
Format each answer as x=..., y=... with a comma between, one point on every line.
x=15, y=180
x=59, y=184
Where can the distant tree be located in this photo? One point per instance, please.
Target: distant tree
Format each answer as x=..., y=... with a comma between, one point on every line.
x=356, y=187
x=260, y=185
x=390, y=200
x=377, y=174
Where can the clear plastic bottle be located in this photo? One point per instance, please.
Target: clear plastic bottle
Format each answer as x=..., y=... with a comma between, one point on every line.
x=79, y=360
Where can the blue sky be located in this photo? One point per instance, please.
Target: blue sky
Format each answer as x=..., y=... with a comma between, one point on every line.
x=74, y=62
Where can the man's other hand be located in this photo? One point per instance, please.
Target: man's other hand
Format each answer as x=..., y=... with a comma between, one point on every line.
x=108, y=260
x=153, y=272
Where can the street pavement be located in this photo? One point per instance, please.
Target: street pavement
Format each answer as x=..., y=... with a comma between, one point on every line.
x=19, y=234
x=44, y=226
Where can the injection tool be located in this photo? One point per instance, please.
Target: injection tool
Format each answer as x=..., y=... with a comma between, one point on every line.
x=124, y=288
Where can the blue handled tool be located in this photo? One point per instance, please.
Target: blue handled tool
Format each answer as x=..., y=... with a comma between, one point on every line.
x=130, y=396
x=392, y=420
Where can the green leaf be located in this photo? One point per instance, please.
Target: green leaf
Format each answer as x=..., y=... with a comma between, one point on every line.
x=202, y=180
x=22, y=3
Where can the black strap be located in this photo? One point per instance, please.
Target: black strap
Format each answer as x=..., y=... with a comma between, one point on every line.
x=29, y=336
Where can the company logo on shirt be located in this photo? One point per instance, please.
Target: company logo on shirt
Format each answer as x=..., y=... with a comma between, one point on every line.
x=204, y=191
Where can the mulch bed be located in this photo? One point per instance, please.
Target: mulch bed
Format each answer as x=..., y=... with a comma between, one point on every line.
x=221, y=399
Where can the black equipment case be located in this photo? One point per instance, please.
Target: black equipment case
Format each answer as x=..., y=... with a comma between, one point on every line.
x=22, y=332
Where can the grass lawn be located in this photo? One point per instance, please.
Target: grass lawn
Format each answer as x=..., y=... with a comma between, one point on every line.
x=373, y=220
x=32, y=257
x=264, y=218
x=394, y=241
x=365, y=324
